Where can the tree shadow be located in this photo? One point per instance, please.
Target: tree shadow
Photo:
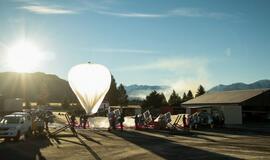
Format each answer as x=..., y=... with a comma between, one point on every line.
x=168, y=149
x=58, y=139
x=235, y=131
x=24, y=150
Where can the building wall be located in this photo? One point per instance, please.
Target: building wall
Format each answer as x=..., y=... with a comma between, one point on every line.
x=232, y=114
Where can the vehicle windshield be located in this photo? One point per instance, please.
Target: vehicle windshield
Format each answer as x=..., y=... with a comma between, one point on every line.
x=10, y=120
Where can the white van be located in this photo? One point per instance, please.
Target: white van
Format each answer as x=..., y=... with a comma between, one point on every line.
x=15, y=125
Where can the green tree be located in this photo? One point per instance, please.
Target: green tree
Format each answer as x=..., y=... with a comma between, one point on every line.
x=190, y=95
x=175, y=99
x=185, y=98
x=112, y=95
x=122, y=95
x=154, y=100
x=200, y=91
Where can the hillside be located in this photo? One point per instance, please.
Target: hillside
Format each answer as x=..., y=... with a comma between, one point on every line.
x=35, y=86
x=241, y=86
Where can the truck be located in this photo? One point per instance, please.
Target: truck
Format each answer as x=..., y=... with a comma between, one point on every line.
x=15, y=125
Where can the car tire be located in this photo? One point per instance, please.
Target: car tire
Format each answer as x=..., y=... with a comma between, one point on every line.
x=17, y=137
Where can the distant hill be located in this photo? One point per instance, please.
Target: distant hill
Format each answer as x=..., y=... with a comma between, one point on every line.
x=140, y=91
x=35, y=86
x=241, y=86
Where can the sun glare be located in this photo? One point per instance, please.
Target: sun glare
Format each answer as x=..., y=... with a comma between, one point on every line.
x=23, y=56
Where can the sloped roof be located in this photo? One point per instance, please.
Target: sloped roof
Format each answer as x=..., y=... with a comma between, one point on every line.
x=227, y=97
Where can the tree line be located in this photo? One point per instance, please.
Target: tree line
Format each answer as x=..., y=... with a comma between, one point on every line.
x=117, y=96
x=156, y=100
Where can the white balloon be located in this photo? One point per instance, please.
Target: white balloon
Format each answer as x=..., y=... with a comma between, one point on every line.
x=90, y=83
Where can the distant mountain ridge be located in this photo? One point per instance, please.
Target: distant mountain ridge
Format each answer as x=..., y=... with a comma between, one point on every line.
x=35, y=86
x=241, y=86
x=140, y=91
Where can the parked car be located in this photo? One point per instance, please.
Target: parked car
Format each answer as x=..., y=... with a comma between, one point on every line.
x=15, y=125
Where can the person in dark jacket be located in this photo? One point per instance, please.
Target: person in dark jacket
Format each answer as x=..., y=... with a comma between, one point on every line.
x=122, y=119
x=85, y=118
x=136, y=121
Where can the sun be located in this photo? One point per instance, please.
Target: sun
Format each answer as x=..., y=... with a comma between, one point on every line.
x=23, y=56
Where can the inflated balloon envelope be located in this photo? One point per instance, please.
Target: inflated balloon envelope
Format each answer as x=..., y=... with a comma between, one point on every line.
x=90, y=83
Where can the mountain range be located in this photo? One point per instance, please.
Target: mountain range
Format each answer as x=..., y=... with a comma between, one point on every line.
x=35, y=86
x=241, y=86
x=140, y=91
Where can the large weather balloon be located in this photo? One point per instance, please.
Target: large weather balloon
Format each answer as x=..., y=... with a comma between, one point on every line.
x=90, y=82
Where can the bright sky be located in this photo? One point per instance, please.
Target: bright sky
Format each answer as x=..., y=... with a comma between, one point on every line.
x=176, y=43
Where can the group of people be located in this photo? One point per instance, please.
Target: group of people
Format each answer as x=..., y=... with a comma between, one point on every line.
x=40, y=120
x=83, y=120
x=113, y=120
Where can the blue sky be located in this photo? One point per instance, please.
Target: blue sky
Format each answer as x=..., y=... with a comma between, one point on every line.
x=177, y=43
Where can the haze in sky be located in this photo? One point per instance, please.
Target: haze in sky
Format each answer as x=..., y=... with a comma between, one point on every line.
x=177, y=43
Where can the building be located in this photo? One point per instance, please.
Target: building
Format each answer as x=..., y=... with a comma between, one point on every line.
x=237, y=106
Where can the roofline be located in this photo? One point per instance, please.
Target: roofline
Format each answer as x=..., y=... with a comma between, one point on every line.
x=264, y=90
x=197, y=104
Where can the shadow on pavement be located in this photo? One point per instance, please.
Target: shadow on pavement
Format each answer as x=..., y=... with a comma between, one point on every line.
x=58, y=139
x=168, y=149
x=95, y=155
x=24, y=150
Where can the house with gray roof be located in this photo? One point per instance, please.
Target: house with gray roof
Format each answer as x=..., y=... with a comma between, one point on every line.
x=236, y=106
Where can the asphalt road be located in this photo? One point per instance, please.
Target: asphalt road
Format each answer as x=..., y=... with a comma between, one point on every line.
x=132, y=144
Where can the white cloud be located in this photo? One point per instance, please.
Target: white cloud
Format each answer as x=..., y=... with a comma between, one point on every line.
x=172, y=64
x=197, y=12
x=185, y=73
x=180, y=12
x=130, y=14
x=38, y=9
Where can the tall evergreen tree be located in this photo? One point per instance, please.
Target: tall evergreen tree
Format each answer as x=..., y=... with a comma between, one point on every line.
x=122, y=95
x=112, y=95
x=190, y=95
x=163, y=100
x=175, y=99
x=184, y=99
x=154, y=100
x=200, y=91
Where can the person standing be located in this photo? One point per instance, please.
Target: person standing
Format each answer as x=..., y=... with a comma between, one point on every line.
x=184, y=121
x=73, y=118
x=85, y=118
x=113, y=120
x=136, y=121
x=81, y=120
x=46, y=121
x=122, y=119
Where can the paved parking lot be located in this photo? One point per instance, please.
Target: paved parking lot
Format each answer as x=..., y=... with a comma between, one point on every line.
x=132, y=144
